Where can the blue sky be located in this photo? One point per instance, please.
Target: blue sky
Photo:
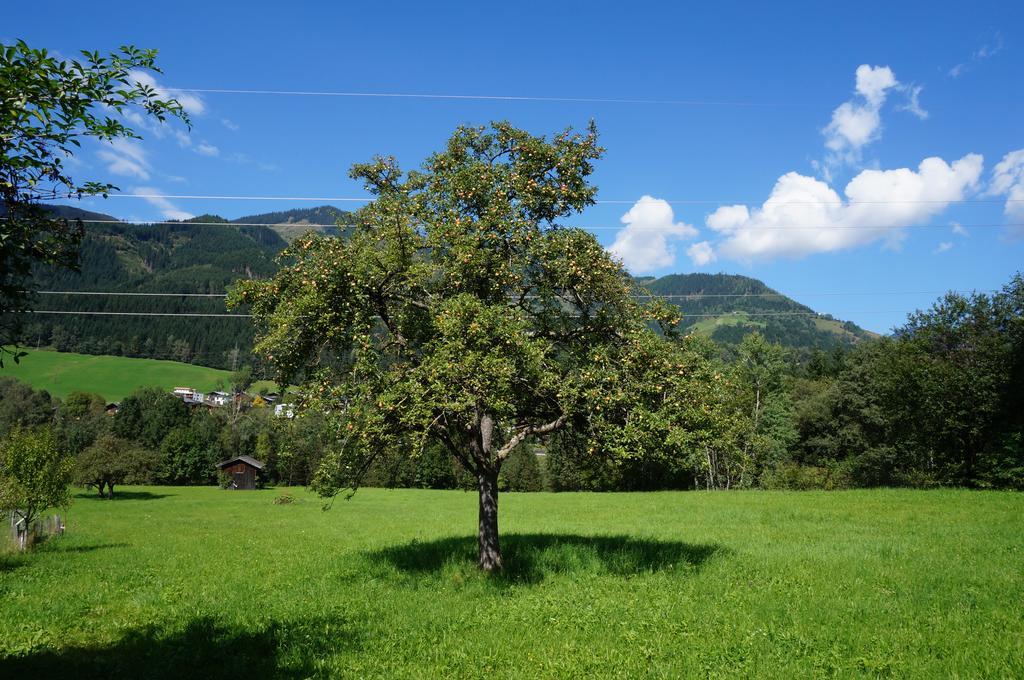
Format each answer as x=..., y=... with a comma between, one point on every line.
x=809, y=104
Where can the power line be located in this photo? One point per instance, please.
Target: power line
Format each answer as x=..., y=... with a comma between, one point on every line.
x=368, y=199
x=594, y=228
x=246, y=316
x=88, y=313
x=481, y=97
x=650, y=296
x=125, y=294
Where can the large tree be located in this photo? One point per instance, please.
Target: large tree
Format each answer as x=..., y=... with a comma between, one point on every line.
x=459, y=310
x=48, y=105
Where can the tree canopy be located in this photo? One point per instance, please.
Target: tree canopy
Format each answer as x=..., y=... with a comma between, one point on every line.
x=459, y=310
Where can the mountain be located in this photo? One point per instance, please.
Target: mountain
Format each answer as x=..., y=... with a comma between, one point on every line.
x=290, y=223
x=727, y=307
x=156, y=258
x=206, y=254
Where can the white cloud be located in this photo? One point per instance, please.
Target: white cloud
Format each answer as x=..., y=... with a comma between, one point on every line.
x=804, y=215
x=858, y=122
x=167, y=209
x=190, y=101
x=701, y=253
x=855, y=123
x=983, y=52
x=873, y=82
x=207, y=149
x=1008, y=180
x=959, y=229
x=913, y=104
x=229, y=124
x=943, y=247
x=125, y=157
x=644, y=244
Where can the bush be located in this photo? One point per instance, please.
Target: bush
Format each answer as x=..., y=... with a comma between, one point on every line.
x=796, y=477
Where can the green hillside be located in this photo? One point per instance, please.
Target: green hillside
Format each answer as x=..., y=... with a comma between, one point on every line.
x=205, y=255
x=61, y=373
x=726, y=307
x=291, y=223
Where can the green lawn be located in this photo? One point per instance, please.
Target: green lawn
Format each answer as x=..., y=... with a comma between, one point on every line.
x=176, y=582
x=61, y=373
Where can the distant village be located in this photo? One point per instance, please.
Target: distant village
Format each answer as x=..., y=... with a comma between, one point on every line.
x=218, y=399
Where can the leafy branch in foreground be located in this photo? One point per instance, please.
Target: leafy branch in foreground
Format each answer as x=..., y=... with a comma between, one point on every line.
x=48, y=106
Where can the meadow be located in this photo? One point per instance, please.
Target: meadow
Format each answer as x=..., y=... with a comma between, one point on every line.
x=200, y=582
x=61, y=373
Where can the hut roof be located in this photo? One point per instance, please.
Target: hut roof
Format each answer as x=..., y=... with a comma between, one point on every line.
x=245, y=459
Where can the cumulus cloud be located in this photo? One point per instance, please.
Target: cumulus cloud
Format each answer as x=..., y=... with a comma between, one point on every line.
x=167, y=209
x=701, y=253
x=959, y=229
x=125, y=157
x=190, y=101
x=645, y=243
x=804, y=215
x=855, y=123
x=229, y=124
x=943, y=247
x=1008, y=180
x=858, y=122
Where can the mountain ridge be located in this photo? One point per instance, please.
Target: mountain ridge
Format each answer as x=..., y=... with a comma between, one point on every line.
x=207, y=254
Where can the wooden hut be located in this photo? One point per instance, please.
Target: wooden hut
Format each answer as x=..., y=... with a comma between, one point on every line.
x=242, y=471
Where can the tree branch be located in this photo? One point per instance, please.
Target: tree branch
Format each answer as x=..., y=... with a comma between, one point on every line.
x=518, y=438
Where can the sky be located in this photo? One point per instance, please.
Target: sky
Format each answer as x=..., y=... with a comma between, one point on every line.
x=859, y=157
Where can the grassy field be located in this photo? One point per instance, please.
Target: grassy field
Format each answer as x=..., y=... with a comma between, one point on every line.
x=61, y=373
x=199, y=582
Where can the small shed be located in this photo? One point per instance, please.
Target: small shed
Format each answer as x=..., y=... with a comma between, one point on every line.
x=242, y=471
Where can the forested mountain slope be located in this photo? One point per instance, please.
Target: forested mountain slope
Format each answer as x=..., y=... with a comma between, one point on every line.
x=205, y=254
x=727, y=307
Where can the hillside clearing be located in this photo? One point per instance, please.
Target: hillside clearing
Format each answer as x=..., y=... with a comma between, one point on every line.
x=61, y=373
x=198, y=581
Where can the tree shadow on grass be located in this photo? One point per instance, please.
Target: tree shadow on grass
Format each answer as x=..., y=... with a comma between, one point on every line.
x=203, y=649
x=12, y=558
x=123, y=496
x=530, y=558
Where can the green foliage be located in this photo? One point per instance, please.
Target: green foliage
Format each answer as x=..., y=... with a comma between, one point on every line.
x=47, y=106
x=20, y=405
x=938, y=404
x=35, y=472
x=80, y=419
x=149, y=415
x=111, y=460
x=188, y=452
x=521, y=472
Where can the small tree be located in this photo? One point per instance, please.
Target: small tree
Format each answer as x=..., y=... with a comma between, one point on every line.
x=112, y=460
x=35, y=474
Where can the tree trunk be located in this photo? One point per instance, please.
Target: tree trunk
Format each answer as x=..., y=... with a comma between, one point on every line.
x=490, y=551
x=110, y=491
